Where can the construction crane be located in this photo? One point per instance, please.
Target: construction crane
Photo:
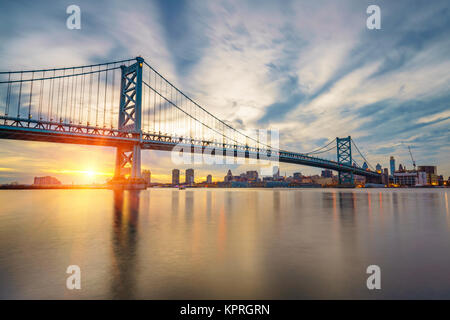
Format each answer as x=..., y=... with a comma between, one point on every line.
x=412, y=159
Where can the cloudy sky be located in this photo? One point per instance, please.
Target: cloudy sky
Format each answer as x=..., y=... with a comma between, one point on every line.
x=310, y=69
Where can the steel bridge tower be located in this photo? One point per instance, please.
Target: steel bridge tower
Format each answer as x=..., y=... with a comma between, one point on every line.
x=128, y=158
x=344, y=156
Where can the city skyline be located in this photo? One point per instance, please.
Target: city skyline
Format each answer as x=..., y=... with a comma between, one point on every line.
x=285, y=79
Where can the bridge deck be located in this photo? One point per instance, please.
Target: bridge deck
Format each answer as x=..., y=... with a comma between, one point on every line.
x=34, y=130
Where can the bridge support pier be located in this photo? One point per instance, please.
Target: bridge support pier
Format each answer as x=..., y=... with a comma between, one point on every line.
x=136, y=165
x=127, y=173
x=128, y=158
x=344, y=156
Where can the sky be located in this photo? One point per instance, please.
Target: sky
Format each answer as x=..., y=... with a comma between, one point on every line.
x=310, y=69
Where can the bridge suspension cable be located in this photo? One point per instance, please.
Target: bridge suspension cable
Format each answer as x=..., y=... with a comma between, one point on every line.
x=198, y=117
x=362, y=156
x=318, y=151
x=69, y=68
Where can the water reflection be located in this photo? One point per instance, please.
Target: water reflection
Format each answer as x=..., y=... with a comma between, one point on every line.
x=124, y=244
x=225, y=243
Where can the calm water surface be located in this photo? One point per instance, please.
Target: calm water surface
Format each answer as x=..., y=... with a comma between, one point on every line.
x=225, y=243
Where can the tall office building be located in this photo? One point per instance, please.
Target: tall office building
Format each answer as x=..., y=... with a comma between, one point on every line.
x=378, y=168
x=209, y=179
x=228, y=177
x=175, y=177
x=189, y=176
x=385, y=177
x=276, y=172
x=392, y=164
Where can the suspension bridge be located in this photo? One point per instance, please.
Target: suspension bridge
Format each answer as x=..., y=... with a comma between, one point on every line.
x=129, y=105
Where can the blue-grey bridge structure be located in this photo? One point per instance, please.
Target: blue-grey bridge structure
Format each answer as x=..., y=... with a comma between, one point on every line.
x=128, y=105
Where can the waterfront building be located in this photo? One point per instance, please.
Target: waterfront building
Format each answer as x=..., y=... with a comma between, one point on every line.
x=252, y=175
x=297, y=175
x=47, y=180
x=209, y=179
x=359, y=180
x=421, y=178
x=228, y=177
x=276, y=172
x=405, y=178
x=392, y=165
x=378, y=168
x=431, y=172
x=410, y=179
x=385, y=177
x=365, y=166
x=327, y=174
x=323, y=181
x=175, y=177
x=190, y=176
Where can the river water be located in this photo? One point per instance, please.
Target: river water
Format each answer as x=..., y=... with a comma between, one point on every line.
x=225, y=243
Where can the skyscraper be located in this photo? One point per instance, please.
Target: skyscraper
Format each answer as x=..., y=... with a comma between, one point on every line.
x=378, y=168
x=228, y=177
x=189, y=176
x=209, y=178
x=175, y=177
x=392, y=164
x=276, y=172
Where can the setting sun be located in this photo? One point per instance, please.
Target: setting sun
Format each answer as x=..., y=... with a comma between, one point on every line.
x=90, y=173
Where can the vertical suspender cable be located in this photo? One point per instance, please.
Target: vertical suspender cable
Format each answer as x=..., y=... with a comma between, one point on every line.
x=20, y=96
x=31, y=95
x=112, y=96
x=71, y=96
x=90, y=98
x=98, y=91
x=104, y=104
x=41, y=93
x=8, y=96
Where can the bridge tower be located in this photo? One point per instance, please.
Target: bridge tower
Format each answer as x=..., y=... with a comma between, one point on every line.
x=344, y=156
x=128, y=158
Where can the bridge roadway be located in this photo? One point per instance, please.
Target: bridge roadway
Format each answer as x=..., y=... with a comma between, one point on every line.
x=36, y=130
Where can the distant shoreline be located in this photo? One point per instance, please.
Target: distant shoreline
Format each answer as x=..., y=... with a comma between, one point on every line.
x=108, y=187
x=39, y=187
